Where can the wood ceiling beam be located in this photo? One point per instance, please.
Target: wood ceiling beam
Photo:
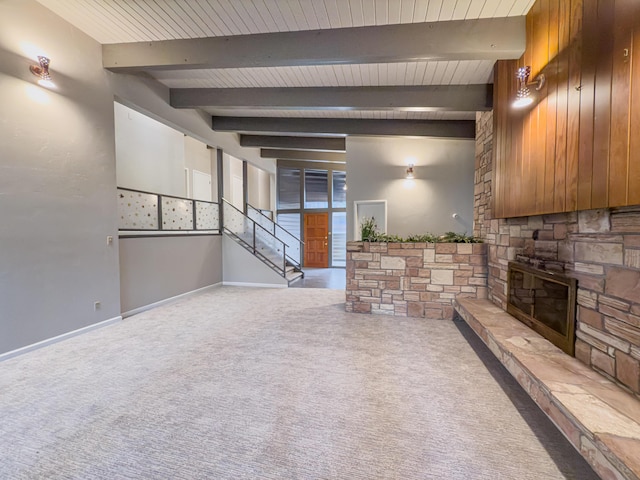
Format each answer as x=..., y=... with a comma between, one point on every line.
x=281, y=154
x=457, y=98
x=294, y=143
x=481, y=39
x=346, y=126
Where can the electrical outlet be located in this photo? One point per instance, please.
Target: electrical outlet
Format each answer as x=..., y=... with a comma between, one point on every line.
x=96, y=306
x=109, y=240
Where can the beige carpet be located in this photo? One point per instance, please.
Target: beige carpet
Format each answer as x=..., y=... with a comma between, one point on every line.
x=242, y=383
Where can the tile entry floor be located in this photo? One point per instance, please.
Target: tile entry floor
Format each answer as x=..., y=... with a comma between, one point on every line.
x=334, y=278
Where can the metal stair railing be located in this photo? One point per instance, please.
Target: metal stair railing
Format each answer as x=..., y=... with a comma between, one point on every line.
x=293, y=243
x=255, y=238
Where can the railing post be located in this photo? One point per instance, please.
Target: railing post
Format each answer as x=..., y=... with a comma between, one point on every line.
x=254, y=238
x=193, y=214
x=160, y=212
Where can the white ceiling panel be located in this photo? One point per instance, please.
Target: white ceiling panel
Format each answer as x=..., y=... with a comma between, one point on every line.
x=358, y=114
x=464, y=72
x=120, y=21
x=123, y=21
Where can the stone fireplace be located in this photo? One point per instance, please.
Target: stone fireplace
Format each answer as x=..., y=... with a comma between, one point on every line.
x=545, y=301
x=599, y=248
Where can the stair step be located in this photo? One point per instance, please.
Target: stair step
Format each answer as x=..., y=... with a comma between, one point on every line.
x=293, y=276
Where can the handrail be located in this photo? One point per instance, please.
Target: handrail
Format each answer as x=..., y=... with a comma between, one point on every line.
x=256, y=224
x=252, y=220
x=275, y=223
x=165, y=195
x=297, y=263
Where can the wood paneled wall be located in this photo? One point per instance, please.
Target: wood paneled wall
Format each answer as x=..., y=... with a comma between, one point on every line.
x=578, y=146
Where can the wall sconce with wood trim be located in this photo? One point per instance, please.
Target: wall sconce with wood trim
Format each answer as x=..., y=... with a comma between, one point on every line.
x=42, y=71
x=524, y=97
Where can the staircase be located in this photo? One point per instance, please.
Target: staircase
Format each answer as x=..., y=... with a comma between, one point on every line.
x=266, y=240
x=291, y=274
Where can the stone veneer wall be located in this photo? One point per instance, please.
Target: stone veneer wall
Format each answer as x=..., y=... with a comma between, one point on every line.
x=413, y=279
x=601, y=248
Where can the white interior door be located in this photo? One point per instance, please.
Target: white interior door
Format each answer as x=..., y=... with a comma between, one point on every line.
x=201, y=186
x=237, y=196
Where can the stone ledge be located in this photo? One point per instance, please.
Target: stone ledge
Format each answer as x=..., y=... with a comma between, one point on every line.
x=599, y=418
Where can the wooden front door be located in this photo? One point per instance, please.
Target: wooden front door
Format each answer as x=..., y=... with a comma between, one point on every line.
x=316, y=240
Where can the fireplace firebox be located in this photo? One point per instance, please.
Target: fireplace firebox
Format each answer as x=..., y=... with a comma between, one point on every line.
x=545, y=301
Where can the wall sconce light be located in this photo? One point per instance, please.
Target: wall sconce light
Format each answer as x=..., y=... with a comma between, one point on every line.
x=42, y=71
x=409, y=175
x=523, y=97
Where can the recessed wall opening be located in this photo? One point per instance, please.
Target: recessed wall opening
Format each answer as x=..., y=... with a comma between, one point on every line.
x=545, y=301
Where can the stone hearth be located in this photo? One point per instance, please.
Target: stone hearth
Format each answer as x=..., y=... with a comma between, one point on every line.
x=600, y=248
x=598, y=417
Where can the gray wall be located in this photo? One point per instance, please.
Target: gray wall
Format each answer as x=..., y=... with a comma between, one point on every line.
x=57, y=181
x=58, y=174
x=157, y=268
x=443, y=185
x=240, y=266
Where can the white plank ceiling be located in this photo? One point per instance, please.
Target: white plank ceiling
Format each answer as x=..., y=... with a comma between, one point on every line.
x=462, y=72
x=123, y=21
x=119, y=21
x=362, y=114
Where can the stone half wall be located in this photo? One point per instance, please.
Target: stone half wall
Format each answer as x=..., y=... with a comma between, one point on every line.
x=413, y=279
x=600, y=248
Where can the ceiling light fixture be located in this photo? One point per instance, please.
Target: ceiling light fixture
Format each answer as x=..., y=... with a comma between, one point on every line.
x=42, y=71
x=523, y=96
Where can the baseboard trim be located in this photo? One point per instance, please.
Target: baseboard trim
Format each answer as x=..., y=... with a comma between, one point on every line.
x=260, y=285
x=59, y=338
x=168, y=300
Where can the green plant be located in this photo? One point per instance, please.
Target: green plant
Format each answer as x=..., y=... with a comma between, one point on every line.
x=453, y=237
x=369, y=234
x=368, y=229
x=384, y=237
x=424, y=238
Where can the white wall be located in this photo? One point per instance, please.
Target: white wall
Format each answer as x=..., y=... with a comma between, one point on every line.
x=198, y=156
x=150, y=156
x=57, y=181
x=150, y=97
x=443, y=185
x=154, y=157
x=232, y=172
x=259, y=186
